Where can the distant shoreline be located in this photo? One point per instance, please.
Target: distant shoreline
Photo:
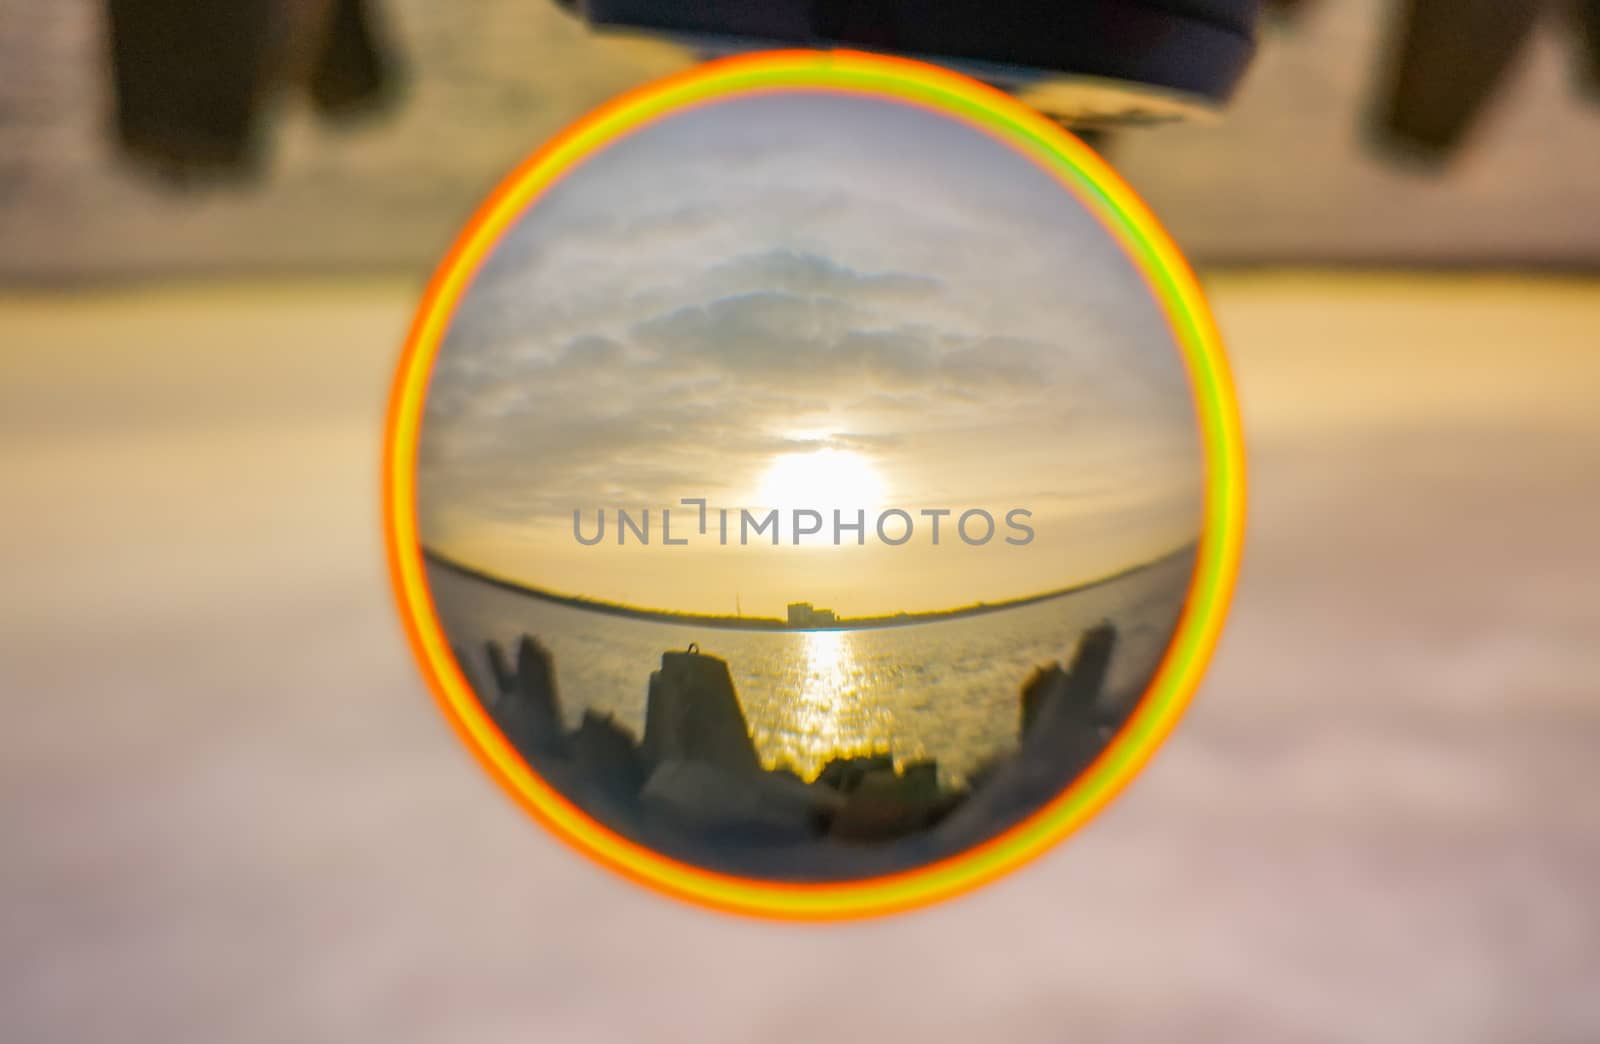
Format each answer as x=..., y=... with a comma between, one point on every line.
x=772, y=623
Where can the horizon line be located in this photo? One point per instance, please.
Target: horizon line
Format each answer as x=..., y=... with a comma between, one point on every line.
x=774, y=623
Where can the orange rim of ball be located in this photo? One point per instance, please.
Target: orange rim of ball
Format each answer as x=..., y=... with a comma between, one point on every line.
x=1172, y=283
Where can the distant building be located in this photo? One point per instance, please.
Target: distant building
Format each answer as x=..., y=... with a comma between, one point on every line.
x=803, y=614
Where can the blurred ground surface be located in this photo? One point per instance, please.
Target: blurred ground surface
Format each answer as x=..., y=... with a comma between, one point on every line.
x=231, y=813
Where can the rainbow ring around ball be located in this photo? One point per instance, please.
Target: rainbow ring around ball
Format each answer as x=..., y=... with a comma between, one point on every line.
x=1079, y=171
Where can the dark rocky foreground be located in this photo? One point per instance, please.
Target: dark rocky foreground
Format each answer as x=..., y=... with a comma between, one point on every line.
x=694, y=787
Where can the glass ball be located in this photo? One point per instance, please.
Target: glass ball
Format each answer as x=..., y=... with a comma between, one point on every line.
x=810, y=484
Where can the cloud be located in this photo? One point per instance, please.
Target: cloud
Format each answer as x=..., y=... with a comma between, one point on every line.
x=589, y=352
x=801, y=272
x=807, y=341
x=827, y=337
x=681, y=309
x=756, y=330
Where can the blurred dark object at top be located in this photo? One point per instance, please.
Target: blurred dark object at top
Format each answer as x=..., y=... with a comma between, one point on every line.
x=193, y=77
x=1451, y=55
x=1126, y=61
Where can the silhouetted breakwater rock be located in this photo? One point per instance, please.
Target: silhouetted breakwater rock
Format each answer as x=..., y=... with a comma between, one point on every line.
x=1063, y=730
x=505, y=679
x=694, y=786
x=759, y=808
x=528, y=711
x=886, y=804
x=846, y=774
x=1052, y=696
x=693, y=714
x=604, y=753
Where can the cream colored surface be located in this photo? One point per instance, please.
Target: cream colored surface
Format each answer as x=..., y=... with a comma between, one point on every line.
x=231, y=813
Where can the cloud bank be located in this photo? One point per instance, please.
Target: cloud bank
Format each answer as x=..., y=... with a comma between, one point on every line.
x=776, y=274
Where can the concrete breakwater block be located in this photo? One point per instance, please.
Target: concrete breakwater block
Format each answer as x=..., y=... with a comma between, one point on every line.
x=884, y=805
x=695, y=776
x=505, y=679
x=1052, y=695
x=530, y=713
x=702, y=799
x=845, y=774
x=1061, y=737
x=693, y=714
x=605, y=755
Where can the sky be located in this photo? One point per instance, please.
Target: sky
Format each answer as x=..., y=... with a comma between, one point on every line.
x=808, y=300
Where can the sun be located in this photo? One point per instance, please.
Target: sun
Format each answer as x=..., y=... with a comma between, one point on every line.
x=822, y=480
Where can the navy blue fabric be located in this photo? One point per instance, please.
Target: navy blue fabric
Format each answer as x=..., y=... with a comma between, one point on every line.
x=1198, y=46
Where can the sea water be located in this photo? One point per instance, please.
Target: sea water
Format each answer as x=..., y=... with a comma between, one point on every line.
x=944, y=689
